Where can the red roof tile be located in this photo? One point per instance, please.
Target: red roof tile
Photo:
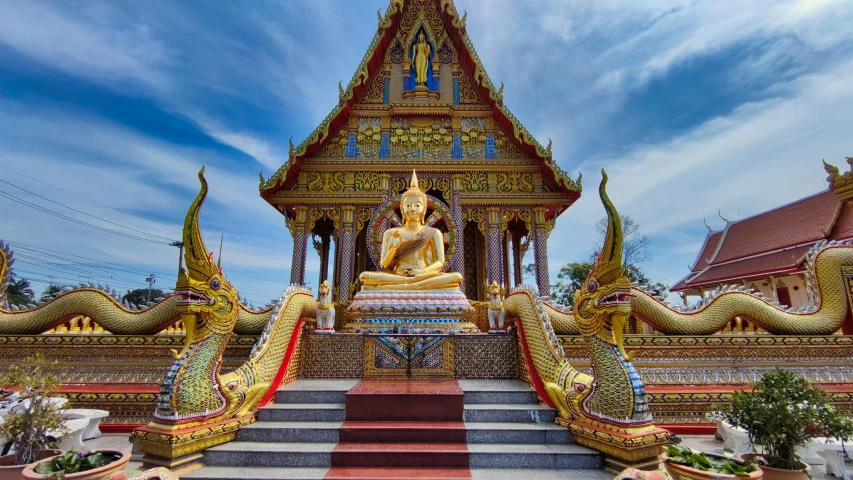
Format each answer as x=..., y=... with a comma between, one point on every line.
x=793, y=224
x=708, y=250
x=784, y=261
x=770, y=242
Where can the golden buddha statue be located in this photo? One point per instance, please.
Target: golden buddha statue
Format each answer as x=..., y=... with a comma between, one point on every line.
x=412, y=255
x=422, y=51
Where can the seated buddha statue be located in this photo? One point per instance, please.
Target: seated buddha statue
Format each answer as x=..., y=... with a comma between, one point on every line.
x=412, y=255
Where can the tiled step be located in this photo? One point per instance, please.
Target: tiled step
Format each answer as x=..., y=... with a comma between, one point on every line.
x=308, y=473
x=561, y=457
x=403, y=432
x=498, y=391
x=400, y=401
x=259, y=454
x=500, y=432
x=302, y=412
x=257, y=473
x=444, y=455
x=315, y=390
x=367, y=473
x=322, y=432
x=487, y=412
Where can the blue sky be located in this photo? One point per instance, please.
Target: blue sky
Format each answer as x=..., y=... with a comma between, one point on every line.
x=691, y=106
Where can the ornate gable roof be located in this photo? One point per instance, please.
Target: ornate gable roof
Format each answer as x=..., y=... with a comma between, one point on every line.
x=476, y=83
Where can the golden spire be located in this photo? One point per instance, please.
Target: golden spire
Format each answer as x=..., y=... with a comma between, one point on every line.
x=414, y=189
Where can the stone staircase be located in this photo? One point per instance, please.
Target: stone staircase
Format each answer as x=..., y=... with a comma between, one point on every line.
x=506, y=434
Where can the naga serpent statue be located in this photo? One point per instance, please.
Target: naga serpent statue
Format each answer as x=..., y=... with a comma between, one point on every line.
x=194, y=393
x=614, y=398
x=105, y=308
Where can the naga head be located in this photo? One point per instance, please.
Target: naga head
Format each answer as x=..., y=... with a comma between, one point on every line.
x=206, y=298
x=606, y=294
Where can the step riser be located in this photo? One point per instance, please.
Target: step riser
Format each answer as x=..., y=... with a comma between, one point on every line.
x=307, y=396
x=300, y=415
x=404, y=408
x=510, y=416
x=551, y=437
x=265, y=459
x=413, y=435
x=516, y=398
x=538, y=461
x=308, y=435
x=396, y=459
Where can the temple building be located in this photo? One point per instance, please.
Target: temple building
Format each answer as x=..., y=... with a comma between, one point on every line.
x=766, y=251
x=421, y=100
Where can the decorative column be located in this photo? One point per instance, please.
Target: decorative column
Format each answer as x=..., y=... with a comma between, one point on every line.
x=516, y=258
x=507, y=242
x=540, y=252
x=493, y=251
x=300, y=246
x=326, y=242
x=347, y=247
x=457, y=263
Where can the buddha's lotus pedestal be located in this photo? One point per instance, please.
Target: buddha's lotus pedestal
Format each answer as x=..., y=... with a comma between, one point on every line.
x=408, y=311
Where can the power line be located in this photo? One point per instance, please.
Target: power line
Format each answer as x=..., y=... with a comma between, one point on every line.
x=37, y=249
x=84, y=213
x=85, y=198
x=71, y=219
x=250, y=273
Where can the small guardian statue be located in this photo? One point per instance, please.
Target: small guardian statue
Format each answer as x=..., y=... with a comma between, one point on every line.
x=325, y=310
x=496, y=310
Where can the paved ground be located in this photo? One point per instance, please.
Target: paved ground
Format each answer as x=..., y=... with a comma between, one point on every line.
x=705, y=443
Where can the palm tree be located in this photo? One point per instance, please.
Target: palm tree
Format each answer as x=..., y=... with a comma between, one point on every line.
x=49, y=291
x=19, y=292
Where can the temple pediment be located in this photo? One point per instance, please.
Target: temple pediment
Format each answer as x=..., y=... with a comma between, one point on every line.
x=421, y=95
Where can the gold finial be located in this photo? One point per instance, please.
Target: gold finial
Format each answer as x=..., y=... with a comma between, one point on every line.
x=415, y=189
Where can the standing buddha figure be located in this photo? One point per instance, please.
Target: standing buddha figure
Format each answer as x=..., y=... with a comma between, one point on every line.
x=412, y=255
x=422, y=51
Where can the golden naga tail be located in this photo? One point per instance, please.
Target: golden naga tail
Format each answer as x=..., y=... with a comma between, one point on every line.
x=827, y=309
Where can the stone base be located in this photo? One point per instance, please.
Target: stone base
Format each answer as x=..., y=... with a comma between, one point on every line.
x=172, y=447
x=410, y=311
x=636, y=447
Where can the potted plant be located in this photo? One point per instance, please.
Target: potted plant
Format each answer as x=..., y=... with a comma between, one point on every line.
x=31, y=426
x=687, y=464
x=782, y=413
x=95, y=465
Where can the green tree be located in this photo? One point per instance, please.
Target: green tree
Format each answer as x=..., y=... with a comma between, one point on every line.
x=19, y=292
x=634, y=252
x=49, y=291
x=140, y=295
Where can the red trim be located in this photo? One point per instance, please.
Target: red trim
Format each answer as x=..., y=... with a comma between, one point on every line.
x=690, y=429
x=119, y=427
x=282, y=369
x=534, y=374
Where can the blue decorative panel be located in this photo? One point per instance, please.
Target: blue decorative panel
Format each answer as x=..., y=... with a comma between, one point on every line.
x=385, y=145
x=456, y=93
x=456, y=152
x=433, y=84
x=408, y=84
x=490, y=146
x=386, y=89
x=352, y=146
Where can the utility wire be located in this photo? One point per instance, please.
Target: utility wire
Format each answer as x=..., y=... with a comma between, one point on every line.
x=251, y=273
x=71, y=219
x=85, y=198
x=84, y=213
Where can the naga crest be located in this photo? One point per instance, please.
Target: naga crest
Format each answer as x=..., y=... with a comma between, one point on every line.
x=208, y=303
x=604, y=299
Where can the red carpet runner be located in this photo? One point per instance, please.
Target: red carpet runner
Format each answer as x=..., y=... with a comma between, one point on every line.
x=402, y=429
